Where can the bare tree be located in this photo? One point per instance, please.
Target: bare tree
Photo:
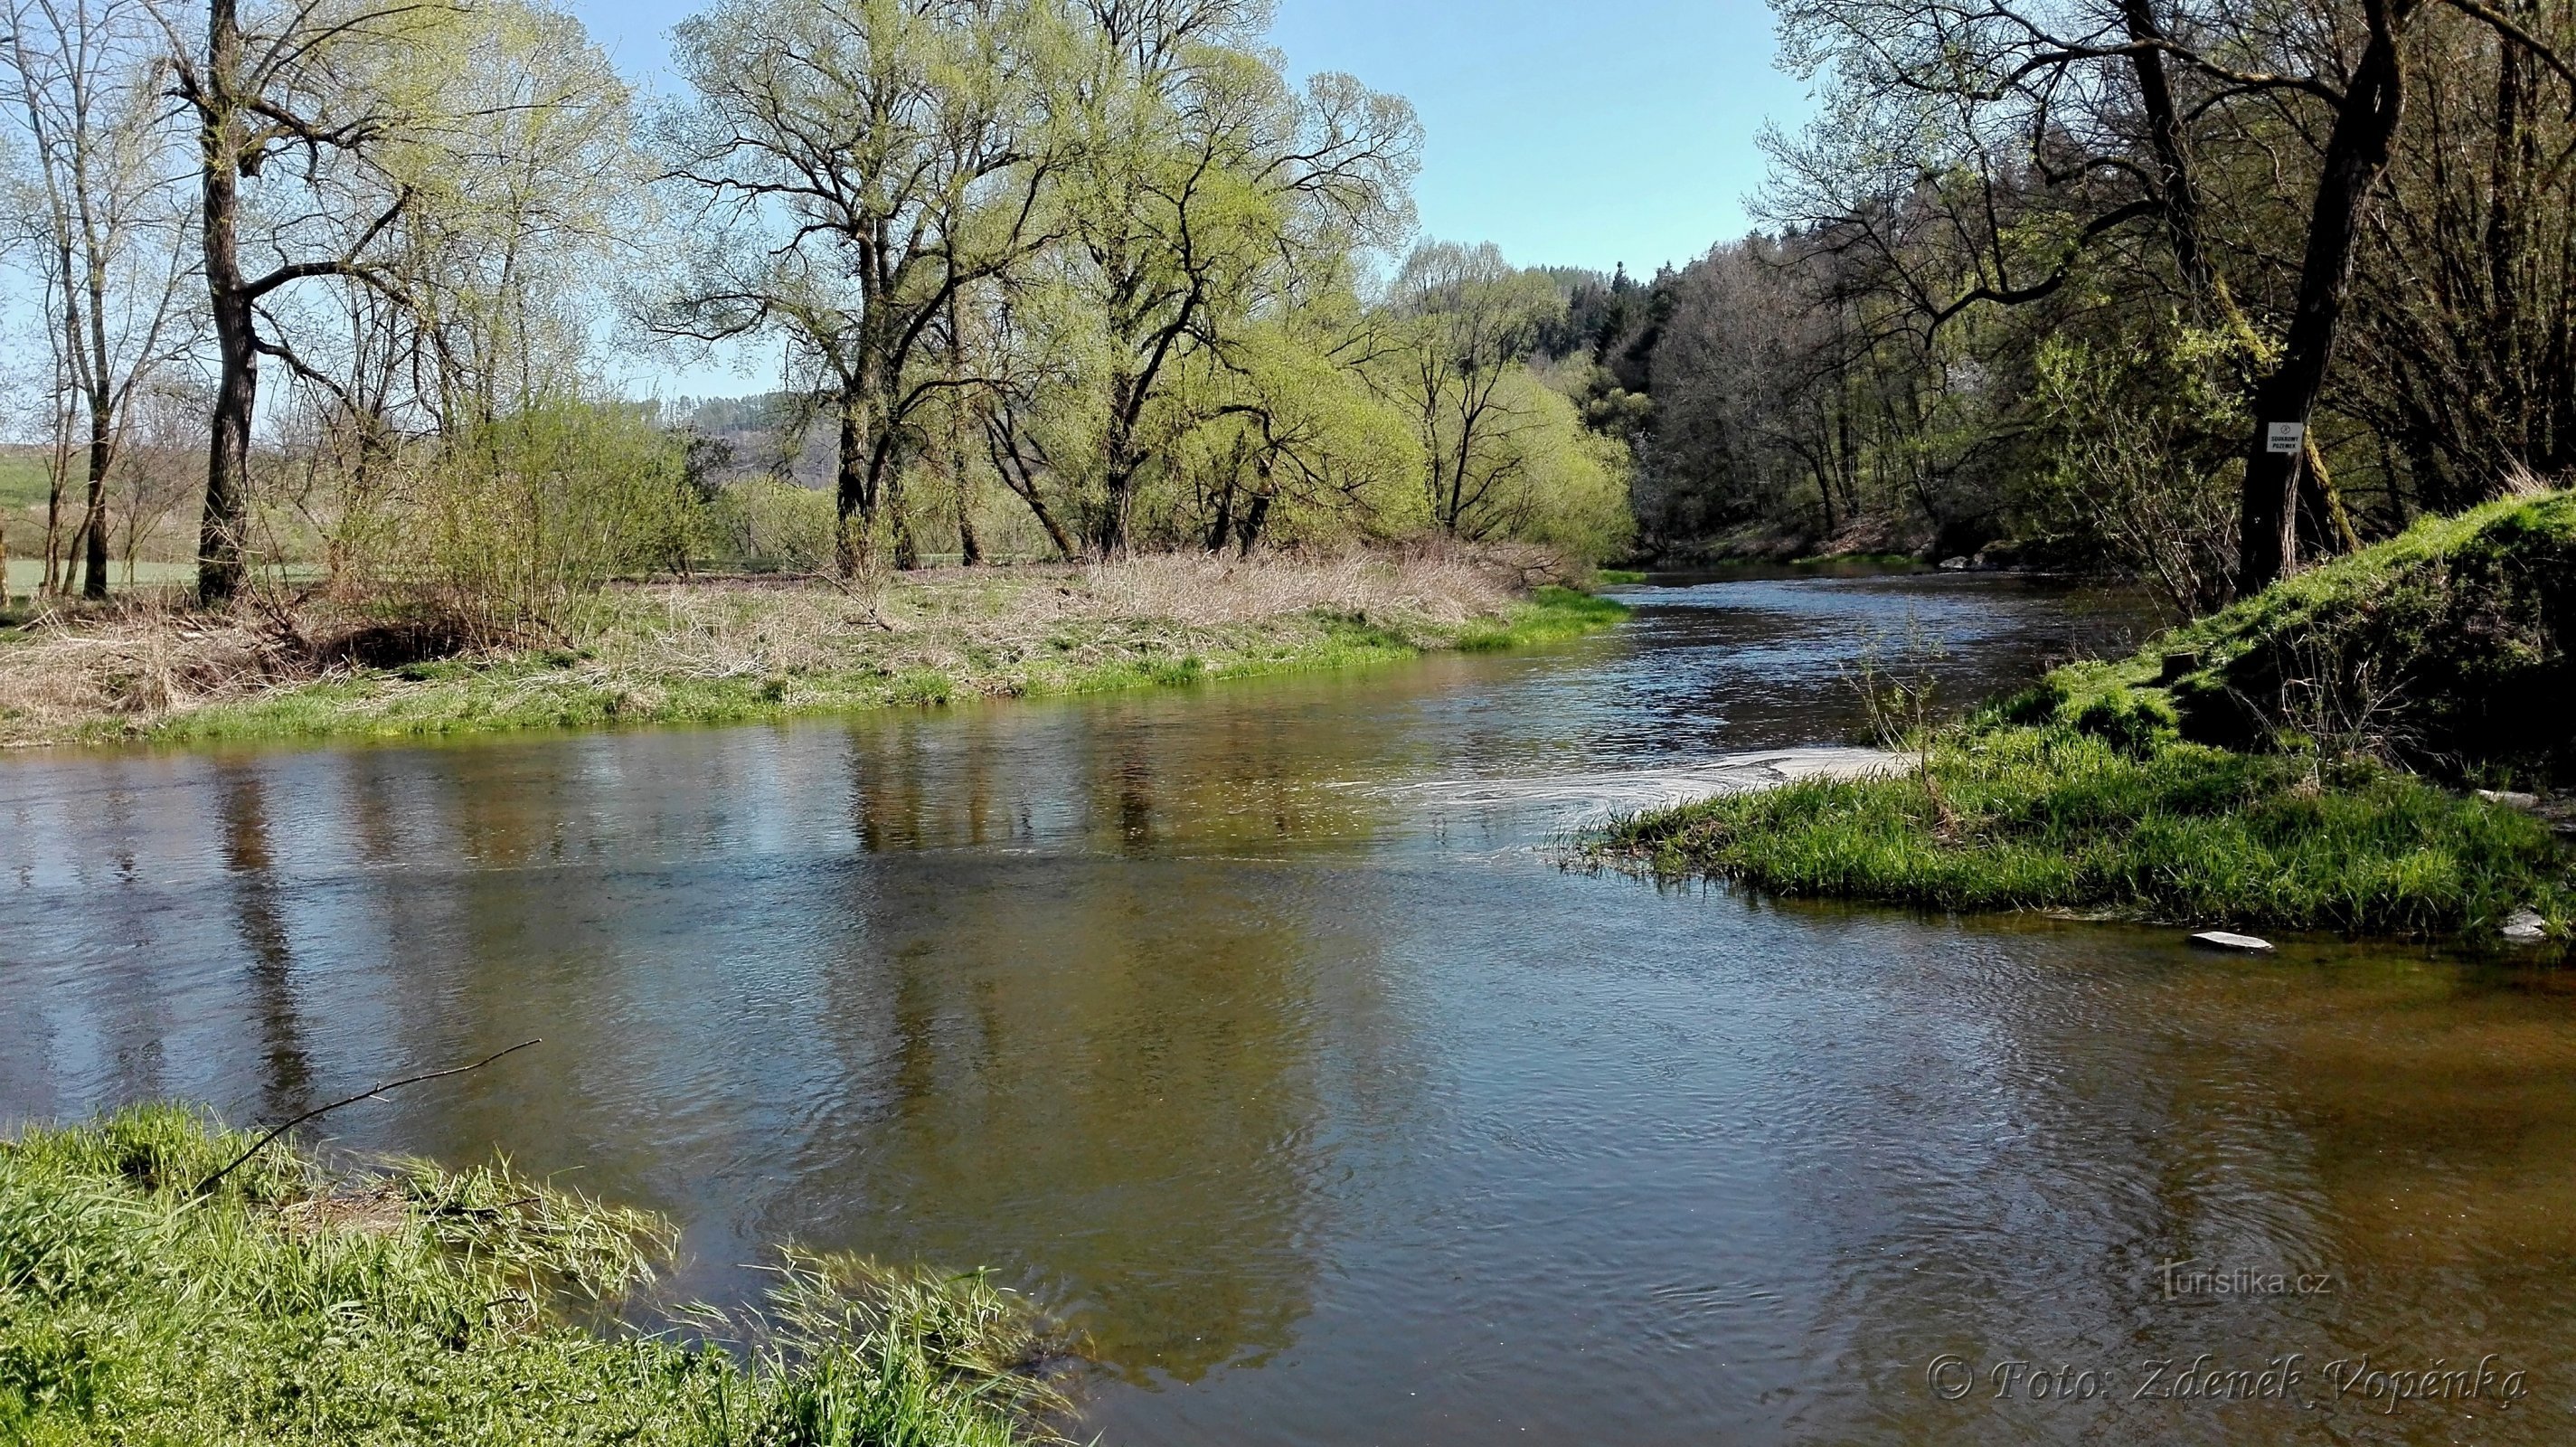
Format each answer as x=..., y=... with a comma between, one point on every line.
x=308, y=91
x=2067, y=128
x=82, y=73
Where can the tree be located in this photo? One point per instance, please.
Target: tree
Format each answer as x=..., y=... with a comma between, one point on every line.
x=864, y=159
x=1474, y=320
x=82, y=73
x=2047, y=135
x=1203, y=192
x=320, y=97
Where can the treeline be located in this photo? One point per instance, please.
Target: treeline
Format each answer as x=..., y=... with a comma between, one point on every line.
x=1094, y=276
x=2195, y=291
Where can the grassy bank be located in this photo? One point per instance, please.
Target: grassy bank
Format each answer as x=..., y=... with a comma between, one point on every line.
x=2250, y=768
x=2015, y=817
x=744, y=651
x=299, y=1305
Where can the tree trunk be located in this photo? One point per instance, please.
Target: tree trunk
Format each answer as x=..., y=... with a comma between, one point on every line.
x=2356, y=156
x=1022, y=481
x=220, y=532
x=1118, y=469
x=94, y=556
x=970, y=549
x=898, y=525
x=1223, y=527
x=850, y=509
x=1249, y=531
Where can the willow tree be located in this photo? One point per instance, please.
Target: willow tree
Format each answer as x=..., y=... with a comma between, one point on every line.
x=856, y=163
x=1201, y=193
x=1471, y=320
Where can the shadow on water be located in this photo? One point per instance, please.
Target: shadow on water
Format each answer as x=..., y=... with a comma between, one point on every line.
x=1252, y=1027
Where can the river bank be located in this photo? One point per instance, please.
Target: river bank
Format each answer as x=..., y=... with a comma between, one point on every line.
x=1259, y=1031
x=2278, y=764
x=298, y=1303
x=738, y=651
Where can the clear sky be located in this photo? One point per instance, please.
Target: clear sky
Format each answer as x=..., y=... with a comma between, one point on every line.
x=1569, y=133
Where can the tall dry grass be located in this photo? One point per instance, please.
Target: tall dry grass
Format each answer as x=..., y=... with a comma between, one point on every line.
x=150, y=659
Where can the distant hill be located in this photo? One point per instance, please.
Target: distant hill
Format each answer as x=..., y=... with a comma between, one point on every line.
x=757, y=430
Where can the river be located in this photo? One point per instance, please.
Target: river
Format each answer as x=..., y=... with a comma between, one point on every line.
x=1258, y=1029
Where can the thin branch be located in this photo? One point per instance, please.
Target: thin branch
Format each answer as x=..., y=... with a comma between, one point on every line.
x=207, y=1186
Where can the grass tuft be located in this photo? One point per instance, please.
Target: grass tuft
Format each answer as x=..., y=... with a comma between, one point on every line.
x=302, y=1305
x=2012, y=817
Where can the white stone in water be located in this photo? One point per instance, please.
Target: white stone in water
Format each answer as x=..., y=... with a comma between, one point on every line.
x=2219, y=939
x=2510, y=799
x=2526, y=927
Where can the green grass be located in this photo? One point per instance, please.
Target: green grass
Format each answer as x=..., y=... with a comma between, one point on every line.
x=26, y=573
x=1612, y=577
x=24, y=480
x=2036, y=817
x=1551, y=615
x=562, y=691
x=298, y=1305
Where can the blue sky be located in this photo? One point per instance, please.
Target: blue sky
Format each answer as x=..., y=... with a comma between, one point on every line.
x=1568, y=133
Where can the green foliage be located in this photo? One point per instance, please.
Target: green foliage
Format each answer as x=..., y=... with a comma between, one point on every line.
x=302, y=1304
x=2142, y=439
x=1506, y=455
x=514, y=524
x=763, y=525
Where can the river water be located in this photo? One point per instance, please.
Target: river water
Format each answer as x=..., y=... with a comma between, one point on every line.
x=1257, y=1030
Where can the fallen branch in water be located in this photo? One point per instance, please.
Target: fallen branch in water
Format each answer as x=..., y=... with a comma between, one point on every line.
x=207, y=1186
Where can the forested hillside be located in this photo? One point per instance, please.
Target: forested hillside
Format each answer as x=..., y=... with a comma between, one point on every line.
x=2050, y=273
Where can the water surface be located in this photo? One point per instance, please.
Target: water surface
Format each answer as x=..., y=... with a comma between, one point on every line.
x=1256, y=1028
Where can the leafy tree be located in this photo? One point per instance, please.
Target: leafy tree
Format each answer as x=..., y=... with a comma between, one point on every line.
x=858, y=164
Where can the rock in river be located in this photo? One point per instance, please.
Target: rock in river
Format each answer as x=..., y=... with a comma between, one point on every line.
x=2219, y=939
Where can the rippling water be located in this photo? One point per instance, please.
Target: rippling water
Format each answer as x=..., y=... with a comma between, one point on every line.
x=1256, y=1028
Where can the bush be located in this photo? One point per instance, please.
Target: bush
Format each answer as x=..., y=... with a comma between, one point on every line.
x=509, y=526
x=765, y=525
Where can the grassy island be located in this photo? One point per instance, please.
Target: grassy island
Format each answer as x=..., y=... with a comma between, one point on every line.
x=295, y=1303
x=745, y=650
x=2301, y=760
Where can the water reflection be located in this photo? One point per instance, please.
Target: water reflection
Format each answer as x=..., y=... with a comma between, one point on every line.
x=1319, y=1097
x=258, y=913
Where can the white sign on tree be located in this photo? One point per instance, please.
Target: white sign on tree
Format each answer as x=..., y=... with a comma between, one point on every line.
x=2285, y=436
